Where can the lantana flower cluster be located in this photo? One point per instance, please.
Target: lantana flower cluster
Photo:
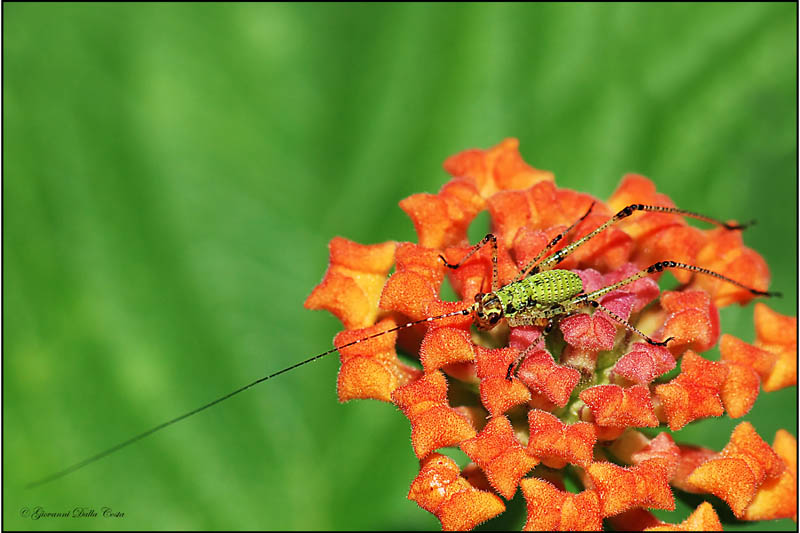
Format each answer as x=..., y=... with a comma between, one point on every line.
x=577, y=402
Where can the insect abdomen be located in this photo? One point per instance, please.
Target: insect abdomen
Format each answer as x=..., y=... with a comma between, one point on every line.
x=549, y=287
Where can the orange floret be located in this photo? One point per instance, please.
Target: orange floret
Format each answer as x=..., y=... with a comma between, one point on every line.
x=773, y=327
x=540, y=373
x=606, y=251
x=704, y=518
x=606, y=434
x=446, y=346
x=777, y=334
x=645, y=289
x=551, y=509
x=413, y=289
x=785, y=445
x=661, y=447
x=499, y=394
x=747, y=366
x=511, y=212
x=728, y=478
x=613, y=406
x=434, y=424
x=738, y=352
x=620, y=489
x=634, y=447
x=759, y=455
x=498, y=168
x=442, y=219
x=690, y=458
x=363, y=378
x=636, y=519
x=352, y=284
x=636, y=189
x=499, y=454
x=692, y=320
x=529, y=241
x=542, y=206
x=658, y=236
x=371, y=369
x=644, y=362
x=408, y=293
x=415, y=283
x=411, y=257
x=777, y=497
x=440, y=489
x=589, y=333
x=739, y=470
x=476, y=477
x=694, y=393
x=672, y=243
x=740, y=390
x=724, y=253
x=556, y=443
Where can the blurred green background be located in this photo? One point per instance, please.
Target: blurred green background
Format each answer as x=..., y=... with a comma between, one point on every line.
x=173, y=174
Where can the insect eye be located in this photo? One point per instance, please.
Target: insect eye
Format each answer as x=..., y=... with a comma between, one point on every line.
x=494, y=319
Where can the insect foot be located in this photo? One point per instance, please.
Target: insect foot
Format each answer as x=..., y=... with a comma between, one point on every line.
x=581, y=367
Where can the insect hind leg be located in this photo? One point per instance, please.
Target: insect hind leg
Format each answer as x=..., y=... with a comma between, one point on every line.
x=660, y=266
x=624, y=213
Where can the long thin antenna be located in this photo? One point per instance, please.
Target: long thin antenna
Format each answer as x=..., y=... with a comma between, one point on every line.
x=140, y=436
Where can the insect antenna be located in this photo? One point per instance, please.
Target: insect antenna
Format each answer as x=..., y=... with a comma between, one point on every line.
x=140, y=436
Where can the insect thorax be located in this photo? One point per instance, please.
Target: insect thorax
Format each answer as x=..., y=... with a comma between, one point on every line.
x=546, y=288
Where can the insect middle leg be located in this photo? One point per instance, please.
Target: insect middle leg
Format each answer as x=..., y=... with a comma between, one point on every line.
x=628, y=325
x=567, y=309
x=571, y=307
x=562, y=254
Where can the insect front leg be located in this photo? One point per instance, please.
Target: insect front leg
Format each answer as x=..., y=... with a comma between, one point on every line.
x=489, y=238
x=538, y=317
x=514, y=366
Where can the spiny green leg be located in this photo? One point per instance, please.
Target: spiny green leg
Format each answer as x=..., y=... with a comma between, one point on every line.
x=660, y=266
x=524, y=272
x=489, y=238
x=625, y=213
